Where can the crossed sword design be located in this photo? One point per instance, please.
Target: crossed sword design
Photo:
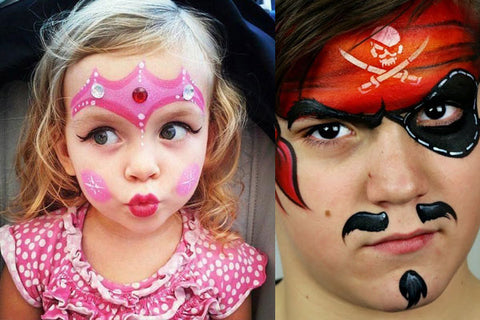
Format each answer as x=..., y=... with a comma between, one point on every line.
x=397, y=72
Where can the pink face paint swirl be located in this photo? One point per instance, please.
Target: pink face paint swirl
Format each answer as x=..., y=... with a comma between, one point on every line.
x=136, y=96
x=188, y=180
x=95, y=186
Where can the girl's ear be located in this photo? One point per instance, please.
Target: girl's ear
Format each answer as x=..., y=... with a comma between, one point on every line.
x=62, y=154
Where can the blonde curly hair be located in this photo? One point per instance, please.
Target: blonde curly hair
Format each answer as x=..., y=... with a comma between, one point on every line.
x=127, y=26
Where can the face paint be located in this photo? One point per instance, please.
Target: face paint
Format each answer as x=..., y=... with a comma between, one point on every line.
x=363, y=71
x=136, y=96
x=366, y=221
x=412, y=287
x=357, y=77
x=189, y=179
x=95, y=186
x=434, y=211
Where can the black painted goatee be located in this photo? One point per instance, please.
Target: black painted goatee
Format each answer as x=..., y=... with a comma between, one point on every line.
x=412, y=287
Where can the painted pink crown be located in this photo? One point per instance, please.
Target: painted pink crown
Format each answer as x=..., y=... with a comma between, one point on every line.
x=136, y=96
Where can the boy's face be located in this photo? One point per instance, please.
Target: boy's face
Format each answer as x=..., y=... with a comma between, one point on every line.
x=377, y=171
x=136, y=134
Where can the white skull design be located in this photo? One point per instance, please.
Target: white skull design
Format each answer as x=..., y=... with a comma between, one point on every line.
x=384, y=42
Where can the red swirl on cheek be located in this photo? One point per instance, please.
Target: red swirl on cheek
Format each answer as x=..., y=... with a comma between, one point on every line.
x=395, y=65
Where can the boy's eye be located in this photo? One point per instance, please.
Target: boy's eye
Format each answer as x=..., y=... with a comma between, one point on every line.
x=439, y=115
x=329, y=131
x=105, y=137
x=174, y=131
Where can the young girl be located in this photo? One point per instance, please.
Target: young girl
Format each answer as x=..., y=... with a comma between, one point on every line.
x=124, y=211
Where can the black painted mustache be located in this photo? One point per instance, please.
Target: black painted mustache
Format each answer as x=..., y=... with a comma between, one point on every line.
x=366, y=221
x=412, y=287
x=434, y=211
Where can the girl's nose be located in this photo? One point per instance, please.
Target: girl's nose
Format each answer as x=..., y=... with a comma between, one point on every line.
x=396, y=171
x=142, y=163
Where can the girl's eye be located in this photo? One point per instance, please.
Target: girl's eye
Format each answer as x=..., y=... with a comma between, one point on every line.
x=174, y=131
x=329, y=131
x=102, y=136
x=439, y=115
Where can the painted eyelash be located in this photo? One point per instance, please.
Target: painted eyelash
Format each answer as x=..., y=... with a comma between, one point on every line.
x=183, y=125
x=94, y=131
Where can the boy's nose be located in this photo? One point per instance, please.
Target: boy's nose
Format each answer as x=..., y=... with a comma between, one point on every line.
x=396, y=172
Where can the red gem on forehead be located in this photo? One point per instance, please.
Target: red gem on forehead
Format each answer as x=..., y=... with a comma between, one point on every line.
x=139, y=94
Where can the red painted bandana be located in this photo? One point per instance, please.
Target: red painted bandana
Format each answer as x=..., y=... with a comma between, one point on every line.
x=394, y=64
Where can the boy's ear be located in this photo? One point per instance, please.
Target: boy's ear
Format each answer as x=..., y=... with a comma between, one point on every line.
x=63, y=156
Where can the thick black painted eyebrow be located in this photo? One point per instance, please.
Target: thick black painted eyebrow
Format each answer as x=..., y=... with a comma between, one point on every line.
x=313, y=108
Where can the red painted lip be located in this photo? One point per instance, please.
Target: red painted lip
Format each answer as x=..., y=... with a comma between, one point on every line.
x=403, y=243
x=143, y=205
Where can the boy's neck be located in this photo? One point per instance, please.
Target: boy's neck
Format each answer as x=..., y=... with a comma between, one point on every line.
x=295, y=300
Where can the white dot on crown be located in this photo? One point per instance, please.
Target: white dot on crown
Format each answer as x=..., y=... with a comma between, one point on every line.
x=141, y=65
x=141, y=116
x=95, y=74
x=140, y=124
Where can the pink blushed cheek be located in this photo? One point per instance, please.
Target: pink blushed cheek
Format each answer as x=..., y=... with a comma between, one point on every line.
x=95, y=186
x=188, y=180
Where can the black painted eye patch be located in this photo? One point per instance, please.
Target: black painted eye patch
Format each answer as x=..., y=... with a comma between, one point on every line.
x=458, y=92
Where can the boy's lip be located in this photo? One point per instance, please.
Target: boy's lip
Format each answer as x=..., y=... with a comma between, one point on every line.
x=403, y=243
x=143, y=205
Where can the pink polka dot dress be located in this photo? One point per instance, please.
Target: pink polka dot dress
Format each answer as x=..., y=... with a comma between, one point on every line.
x=202, y=279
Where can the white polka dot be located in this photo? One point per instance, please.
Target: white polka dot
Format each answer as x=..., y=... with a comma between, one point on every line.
x=24, y=255
x=230, y=300
x=249, y=269
x=35, y=282
x=141, y=116
x=260, y=267
x=80, y=283
x=101, y=306
x=27, y=273
x=50, y=247
x=31, y=246
x=198, y=250
x=42, y=243
x=58, y=246
x=43, y=257
x=42, y=231
x=209, y=254
x=57, y=256
x=218, y=263
x=41, y=266
x=231, y=266
x=136, y=285
x=26, y=241
x=19, y=242
x=211, y=282
x=79, y=304
x=226, y=277
x=156, y=310
x=164, y=307
x=28, y=283
x=228, y=288
x=26, y=230
x=18, y=251
x=247, y=280
x=219, y=272
x=21, y=268
x=213, y=247
x=37, y=238
x=50, y=233
x=256, y=283
x=33, y=255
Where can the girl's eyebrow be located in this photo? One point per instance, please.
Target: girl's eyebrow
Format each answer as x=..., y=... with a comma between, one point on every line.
x=313, y=108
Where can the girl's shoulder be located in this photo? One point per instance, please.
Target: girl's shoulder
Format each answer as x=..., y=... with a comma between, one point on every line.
x=32, y=249
x=231, y=270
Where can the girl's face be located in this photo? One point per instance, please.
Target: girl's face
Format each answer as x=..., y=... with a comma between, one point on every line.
x=136, y=134
x=377, y=171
